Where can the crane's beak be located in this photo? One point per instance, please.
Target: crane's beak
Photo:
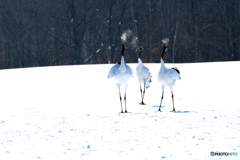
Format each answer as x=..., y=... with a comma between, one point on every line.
x=138, y=49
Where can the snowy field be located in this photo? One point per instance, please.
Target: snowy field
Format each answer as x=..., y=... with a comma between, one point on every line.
x=72, y=113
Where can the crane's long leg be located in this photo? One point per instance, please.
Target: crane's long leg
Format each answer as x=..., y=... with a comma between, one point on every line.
x=125, y=102
x=141, y=90
x=120, y=98
x=173, y=102
x=143, y=93
x=161, y=102
x=125, y=99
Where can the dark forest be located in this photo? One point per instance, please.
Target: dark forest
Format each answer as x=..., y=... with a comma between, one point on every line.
x=71, y=32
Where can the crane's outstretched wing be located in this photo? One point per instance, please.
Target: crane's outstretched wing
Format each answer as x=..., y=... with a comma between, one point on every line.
x=113, y=71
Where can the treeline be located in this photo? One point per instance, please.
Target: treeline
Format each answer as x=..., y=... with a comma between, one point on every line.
x=67, y=32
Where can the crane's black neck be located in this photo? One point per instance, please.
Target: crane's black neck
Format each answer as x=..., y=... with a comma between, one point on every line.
x=140, y=52
x=123, y=48
x=163, y=51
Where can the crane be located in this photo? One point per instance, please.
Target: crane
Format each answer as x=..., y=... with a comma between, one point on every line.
x=122, y=73
x=167, y=76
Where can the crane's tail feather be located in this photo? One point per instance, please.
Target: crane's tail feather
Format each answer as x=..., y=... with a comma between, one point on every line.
x=176, y=69
x=149, y=80
x=147, y=84
x=150, y=75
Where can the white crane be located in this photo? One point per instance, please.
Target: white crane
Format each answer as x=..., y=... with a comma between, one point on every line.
x=143, y=74
x=167, y=76
x=122, y=73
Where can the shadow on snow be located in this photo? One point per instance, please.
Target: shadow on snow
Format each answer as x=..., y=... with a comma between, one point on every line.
x=158, y=106
x=183, y=112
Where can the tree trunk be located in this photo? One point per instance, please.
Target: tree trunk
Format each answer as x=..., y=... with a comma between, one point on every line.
x=174, y=43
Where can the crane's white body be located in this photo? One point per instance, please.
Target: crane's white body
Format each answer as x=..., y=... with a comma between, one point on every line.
x=121, y=72
x=143, y=74
x=167, y=76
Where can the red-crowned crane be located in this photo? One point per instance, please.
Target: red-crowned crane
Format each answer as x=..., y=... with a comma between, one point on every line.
x=167, y=76
x=143, y=74
x=122, y=73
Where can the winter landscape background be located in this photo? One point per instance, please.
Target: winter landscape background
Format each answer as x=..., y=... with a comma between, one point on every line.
x=60, y=32
x=71, y=112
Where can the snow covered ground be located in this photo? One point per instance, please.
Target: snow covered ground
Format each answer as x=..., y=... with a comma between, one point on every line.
x=71, y=112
